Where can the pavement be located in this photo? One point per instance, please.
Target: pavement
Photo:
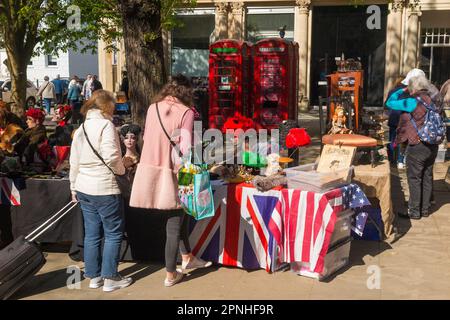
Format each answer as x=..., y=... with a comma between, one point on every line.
x=413, y=263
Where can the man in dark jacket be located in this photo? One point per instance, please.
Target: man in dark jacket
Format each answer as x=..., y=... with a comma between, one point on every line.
x=96, y=84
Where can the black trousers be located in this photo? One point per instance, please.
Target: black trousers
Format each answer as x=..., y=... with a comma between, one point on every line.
x=177, y=238
x=419, y=169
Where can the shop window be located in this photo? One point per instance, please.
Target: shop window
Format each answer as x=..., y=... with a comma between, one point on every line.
x=190, y=45
x=268, y=25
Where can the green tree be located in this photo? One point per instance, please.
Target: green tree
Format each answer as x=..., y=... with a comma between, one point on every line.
x=31, y=27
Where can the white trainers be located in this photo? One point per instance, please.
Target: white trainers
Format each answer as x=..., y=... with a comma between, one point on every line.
x=195, y=263
x=96, y=283
x=178, y=278
x=400, y=165
x=116, y=283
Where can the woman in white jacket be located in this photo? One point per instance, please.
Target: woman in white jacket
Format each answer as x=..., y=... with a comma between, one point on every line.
x=94, y=185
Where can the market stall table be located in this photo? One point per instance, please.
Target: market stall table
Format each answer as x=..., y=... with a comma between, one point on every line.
x=39, y=200
x=376, y=183
x=253, y=229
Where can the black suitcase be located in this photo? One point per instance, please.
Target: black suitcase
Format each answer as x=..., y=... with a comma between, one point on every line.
x=23, y=258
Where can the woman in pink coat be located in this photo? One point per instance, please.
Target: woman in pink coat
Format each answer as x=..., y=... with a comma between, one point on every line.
x=155, y=184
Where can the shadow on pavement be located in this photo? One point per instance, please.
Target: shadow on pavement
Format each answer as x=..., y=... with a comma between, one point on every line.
x=140, y=270
x=43, y=283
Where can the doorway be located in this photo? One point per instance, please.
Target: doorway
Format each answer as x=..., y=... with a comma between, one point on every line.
x=341, y=30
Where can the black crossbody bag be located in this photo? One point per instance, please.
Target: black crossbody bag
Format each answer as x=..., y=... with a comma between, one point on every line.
x=122, y=180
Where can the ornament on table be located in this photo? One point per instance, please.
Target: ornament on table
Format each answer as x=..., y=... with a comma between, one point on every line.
x=273, y=165
x=267, y=183
x=339, y=119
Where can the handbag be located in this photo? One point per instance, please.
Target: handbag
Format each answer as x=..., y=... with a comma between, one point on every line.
x=194, y=185
x=122, y=180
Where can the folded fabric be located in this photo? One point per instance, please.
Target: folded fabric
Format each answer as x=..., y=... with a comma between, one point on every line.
x=264, y=184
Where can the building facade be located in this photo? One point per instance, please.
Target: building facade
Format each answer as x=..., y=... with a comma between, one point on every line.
x=66, y=64
x=388, y=37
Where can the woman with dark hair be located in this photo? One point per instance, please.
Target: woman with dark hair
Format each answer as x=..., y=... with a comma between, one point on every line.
x=155, y=185
x=94, y=185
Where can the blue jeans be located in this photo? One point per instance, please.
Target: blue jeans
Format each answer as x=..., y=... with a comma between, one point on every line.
x=47, y=104
x=103, y=215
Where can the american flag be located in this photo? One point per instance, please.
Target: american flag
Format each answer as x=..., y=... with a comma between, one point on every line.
x=308, y=220
x=9, y=192
x=238, y=234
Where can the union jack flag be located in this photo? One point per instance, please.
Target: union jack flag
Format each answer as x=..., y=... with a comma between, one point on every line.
x=308, y=220
x=9, y=194
x=239, y=234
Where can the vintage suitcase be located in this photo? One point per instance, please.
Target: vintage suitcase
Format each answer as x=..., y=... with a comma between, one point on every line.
x=23, y=258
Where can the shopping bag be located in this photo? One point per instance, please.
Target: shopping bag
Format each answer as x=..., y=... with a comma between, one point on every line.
x=195, y=192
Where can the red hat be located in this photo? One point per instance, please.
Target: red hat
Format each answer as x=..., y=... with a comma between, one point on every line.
x=297, y=137
x=36, y=114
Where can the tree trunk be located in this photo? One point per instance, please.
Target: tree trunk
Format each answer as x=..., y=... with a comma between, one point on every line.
x=19, y=40
x=144, y=54
x=18, y=72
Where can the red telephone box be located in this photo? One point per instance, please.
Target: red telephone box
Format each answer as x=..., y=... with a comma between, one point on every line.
x=275, y=82
x=229, y=67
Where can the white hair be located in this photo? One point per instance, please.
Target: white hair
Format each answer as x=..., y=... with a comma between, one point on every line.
x=419, y=83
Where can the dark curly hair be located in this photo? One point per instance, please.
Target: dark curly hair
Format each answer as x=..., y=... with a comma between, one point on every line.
x=179, y=87
x=130, y=128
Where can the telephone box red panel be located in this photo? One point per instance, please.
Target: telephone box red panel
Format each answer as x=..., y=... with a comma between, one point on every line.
x=229, y=65
x=275, y=82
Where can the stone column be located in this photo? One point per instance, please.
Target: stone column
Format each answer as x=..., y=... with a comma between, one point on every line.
x=393, y=44
x=105, y=68
x=301, y=37
x=237, y=21
x=221, y=28
x=412, y=36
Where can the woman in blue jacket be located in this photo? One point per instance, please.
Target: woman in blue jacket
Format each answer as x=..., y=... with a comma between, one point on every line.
x=74, y=96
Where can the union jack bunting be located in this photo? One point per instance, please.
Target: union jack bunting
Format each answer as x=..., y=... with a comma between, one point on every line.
x=253, y=229
x=9, y=194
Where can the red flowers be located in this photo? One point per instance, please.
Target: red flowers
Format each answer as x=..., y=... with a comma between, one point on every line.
x=238, y=122
x=297, y=137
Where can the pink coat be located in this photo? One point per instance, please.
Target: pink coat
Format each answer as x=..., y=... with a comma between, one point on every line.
x=155, y=184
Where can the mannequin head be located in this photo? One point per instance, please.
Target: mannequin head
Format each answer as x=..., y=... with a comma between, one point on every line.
x=130, y=136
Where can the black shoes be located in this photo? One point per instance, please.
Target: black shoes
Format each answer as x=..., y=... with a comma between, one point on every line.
x=408, y=216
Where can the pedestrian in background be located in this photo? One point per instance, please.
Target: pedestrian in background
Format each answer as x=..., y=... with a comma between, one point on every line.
x=86, y=91
x=395, y=154
x=95, y=84
x=59, y=89
x=420, y=155
x=74, y=97
x=47, y=93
